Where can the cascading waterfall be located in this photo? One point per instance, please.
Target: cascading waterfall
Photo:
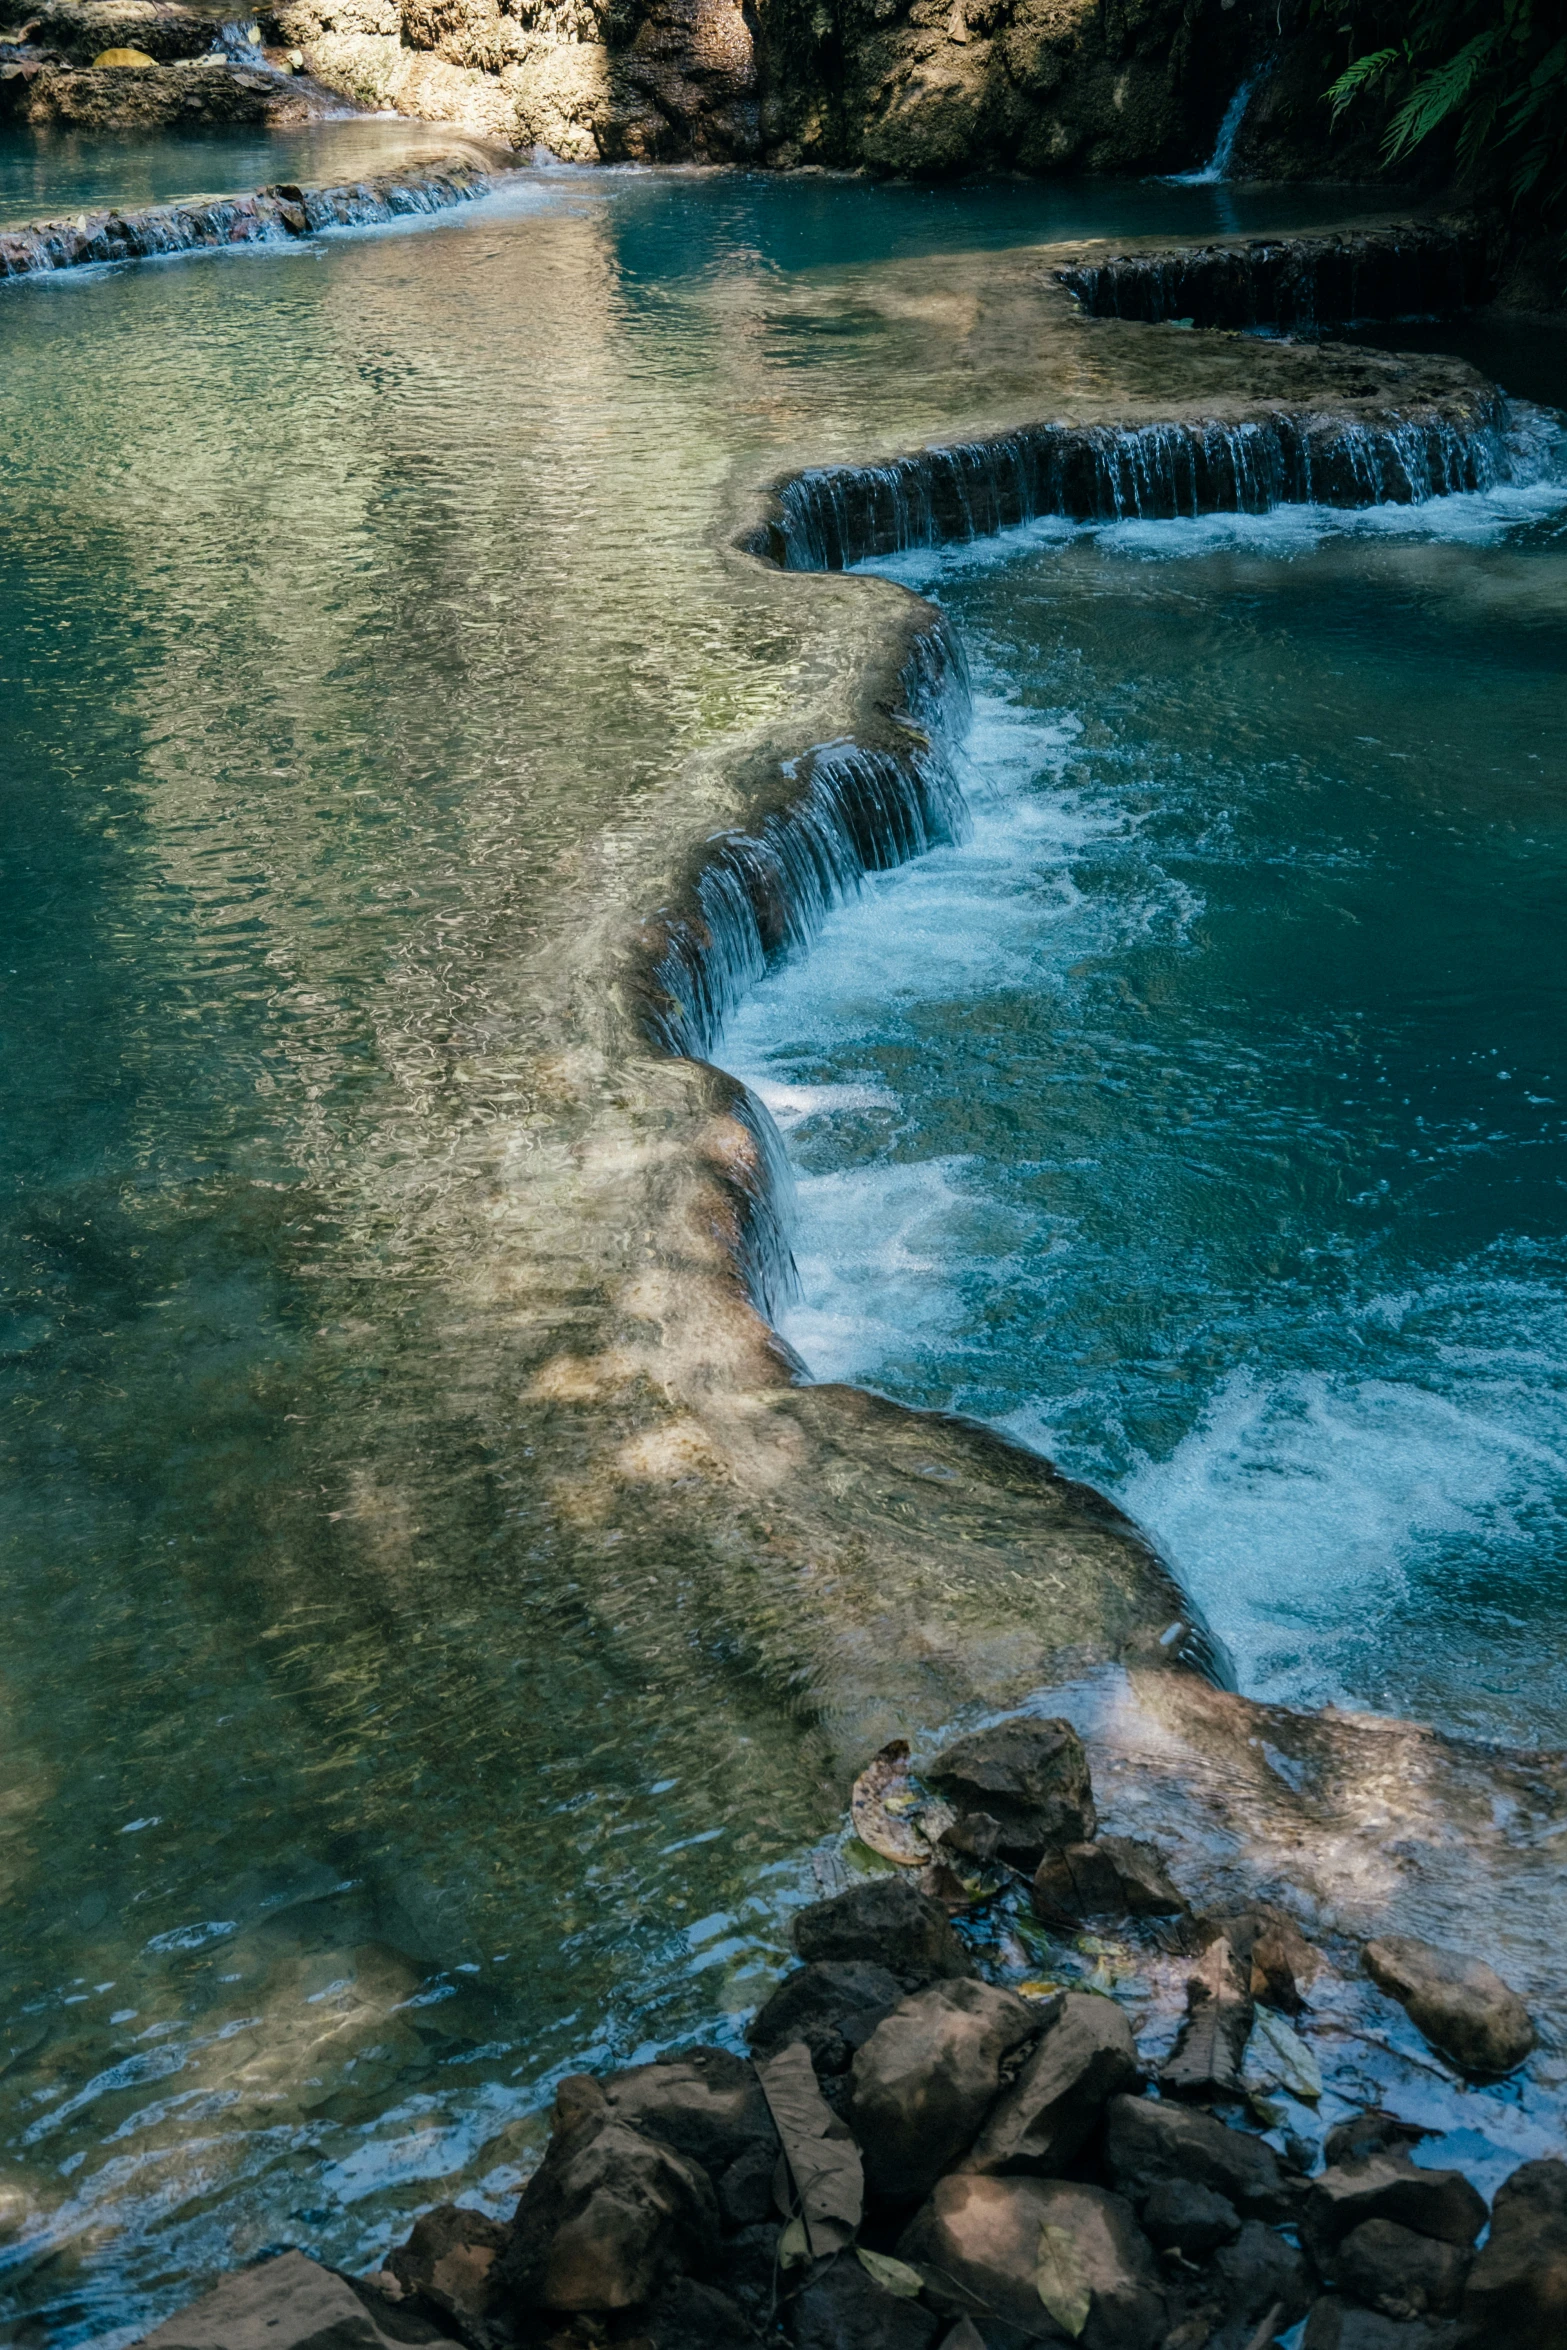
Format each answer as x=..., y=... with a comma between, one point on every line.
x=1420, y=269
x=833, y=516
x=1217, y=166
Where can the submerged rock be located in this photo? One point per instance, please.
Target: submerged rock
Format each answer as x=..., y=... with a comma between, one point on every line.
x=978, y=2243
x=925, y=2079
x=1461, y=2005
x=1086, y=2057
x=292, y=2303
x=890, y=1923
x=1114, y=1877
x=1030, y=1776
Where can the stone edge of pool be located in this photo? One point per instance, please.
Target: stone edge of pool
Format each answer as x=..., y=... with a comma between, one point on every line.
x=277, y=215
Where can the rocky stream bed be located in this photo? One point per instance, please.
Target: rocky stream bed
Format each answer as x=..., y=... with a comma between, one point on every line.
x=916, y=2154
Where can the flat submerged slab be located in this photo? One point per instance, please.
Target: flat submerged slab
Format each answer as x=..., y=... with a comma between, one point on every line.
x=440, y=1621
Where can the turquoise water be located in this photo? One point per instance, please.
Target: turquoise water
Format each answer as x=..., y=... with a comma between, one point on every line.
x=354, y=598
x=1202, y=1118
x=46, y=173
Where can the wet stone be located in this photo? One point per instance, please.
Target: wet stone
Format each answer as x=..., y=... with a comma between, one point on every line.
x=977, y=2241
x=1393, y=2270
x=446, y=2262
x=1115, y=1877
x=688, y=2315
x=890, y=1923
x=1437, y=2203
x=1459, y=2004
x=1179, y=2216
x=833, y=2005
x=1086, y=2057
x=1149, y=2141
x=1030, y=1776
x=925, y=2079
x=1517, y=2293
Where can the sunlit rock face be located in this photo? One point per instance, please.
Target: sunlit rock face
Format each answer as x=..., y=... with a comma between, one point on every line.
x=922, y=88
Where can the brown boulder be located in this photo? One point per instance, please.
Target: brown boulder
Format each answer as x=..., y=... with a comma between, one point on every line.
x=1517, y=2293
x=1030, y=1775
x=925, y=2079
x=608, y=2217
x=1437, y=2203
x=1086, y=2057
x=446, y=2262
x=1460, y=2005
x=1148, y=2141
x=708, y=2105
x=1115, y=1877
x=890, y=1923
x=978, y=2242
x=833, y=2006
x=1400, y=2273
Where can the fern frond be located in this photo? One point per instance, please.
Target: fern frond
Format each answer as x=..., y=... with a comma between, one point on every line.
x=1437, y=95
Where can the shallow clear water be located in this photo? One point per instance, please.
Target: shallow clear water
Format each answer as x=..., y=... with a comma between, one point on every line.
x=46, y=172
x=1203, y=1116
x=358, y=601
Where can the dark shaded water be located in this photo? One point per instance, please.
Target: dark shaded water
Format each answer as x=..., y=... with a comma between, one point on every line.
x=1202, y=1117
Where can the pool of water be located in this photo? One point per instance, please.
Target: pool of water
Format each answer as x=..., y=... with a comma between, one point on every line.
x=1202, y=1118
x=359, y=601
x=47, y=172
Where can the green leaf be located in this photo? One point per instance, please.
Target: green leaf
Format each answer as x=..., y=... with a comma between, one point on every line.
x=1289, y=2059
x=793, y=2249
x=894, y=2276
x=1063, y=2288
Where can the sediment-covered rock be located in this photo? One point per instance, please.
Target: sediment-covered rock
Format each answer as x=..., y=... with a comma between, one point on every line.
x=1460, y=2004
x=1087, y=2056
x=1401, y=2273
x=1030, y=1776
x=925, y=2079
